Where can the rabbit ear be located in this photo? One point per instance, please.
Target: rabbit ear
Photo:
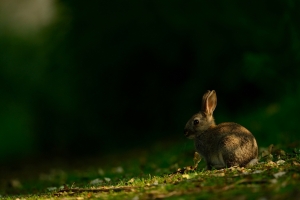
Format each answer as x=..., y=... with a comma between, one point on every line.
x=209, y=102
x=204, y=98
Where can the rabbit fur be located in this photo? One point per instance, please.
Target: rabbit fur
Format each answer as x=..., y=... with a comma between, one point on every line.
x=225, y=145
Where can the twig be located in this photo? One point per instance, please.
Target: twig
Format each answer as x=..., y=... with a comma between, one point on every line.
x=95, y=190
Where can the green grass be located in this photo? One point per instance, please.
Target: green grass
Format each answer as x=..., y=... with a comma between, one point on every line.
x=151, y=174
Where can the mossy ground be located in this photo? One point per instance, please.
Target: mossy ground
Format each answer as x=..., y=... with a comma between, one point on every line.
x=141, y=174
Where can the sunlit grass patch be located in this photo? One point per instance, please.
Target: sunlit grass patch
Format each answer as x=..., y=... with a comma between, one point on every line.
x=276, y=176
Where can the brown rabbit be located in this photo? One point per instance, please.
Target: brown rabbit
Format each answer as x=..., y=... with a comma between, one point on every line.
x=225, y=145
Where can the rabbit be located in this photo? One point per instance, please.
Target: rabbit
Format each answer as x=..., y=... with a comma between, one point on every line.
x=224, y=145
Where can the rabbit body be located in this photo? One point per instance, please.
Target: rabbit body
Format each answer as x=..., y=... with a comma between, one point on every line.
x=225, y=145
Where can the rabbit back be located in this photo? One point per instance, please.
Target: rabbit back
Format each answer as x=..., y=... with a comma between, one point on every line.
x=227, y=144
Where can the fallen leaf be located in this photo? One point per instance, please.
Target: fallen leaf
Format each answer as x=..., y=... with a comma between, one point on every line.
x=51, y=188
x=101, y=172
x=219, y=174
x=136, y=197
x=295, y=176
x=15, y=183
x=280, y=162
x=118, y=170
x=96, y=181
x=296, y=163
x=273, y=181
x=187, y=176
x=155, y=182
x=107, y=179
x=279, y=174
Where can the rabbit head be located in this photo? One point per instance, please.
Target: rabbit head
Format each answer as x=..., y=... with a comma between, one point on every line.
x=201, y=121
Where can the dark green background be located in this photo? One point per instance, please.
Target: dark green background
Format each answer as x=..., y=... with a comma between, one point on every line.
x=107, y=76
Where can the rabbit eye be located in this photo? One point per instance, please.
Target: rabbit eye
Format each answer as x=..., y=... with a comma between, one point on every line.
x=196, y=121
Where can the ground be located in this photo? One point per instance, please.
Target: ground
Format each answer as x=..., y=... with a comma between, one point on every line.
x=162, y=172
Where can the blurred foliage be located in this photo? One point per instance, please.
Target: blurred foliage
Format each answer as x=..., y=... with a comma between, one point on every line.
x=108, y=75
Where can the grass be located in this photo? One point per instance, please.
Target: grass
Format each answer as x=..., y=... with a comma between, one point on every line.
x=154, y=174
